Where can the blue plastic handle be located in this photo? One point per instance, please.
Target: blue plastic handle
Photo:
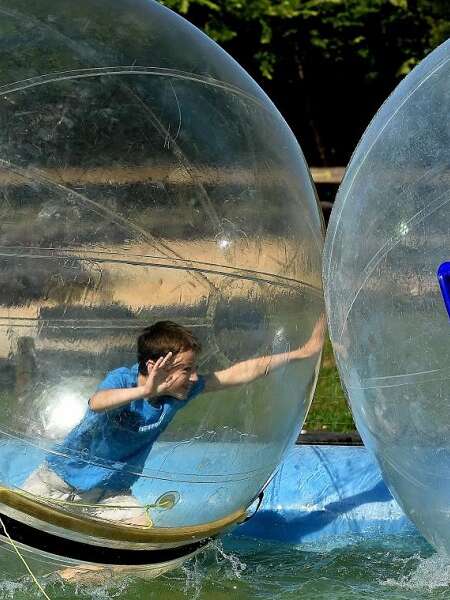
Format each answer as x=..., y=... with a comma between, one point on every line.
x=443, y=275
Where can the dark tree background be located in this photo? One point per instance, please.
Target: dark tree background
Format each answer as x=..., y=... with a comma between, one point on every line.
x=327, y=64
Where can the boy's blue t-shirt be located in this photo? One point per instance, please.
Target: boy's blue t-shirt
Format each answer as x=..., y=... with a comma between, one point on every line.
x=109, y=449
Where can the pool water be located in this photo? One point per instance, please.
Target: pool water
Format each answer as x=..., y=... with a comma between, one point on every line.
x=394, y=568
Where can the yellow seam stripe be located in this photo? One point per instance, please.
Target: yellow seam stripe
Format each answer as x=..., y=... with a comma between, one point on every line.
x=113, y=531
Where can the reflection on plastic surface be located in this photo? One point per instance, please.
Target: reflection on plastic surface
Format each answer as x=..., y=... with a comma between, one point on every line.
x=145, y=176
x=387, y=237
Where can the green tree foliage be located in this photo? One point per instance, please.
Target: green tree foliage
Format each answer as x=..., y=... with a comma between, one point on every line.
x=328, y=64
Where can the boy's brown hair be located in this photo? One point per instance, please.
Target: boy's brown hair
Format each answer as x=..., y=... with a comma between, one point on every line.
x=161, y=338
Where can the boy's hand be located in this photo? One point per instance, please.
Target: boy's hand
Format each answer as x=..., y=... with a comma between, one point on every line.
x=314, y=344
x=158, y=379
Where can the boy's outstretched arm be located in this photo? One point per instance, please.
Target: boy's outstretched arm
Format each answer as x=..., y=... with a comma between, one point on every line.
x=249, y=370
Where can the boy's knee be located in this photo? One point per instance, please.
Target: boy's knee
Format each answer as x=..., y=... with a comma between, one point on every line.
x=123, y=509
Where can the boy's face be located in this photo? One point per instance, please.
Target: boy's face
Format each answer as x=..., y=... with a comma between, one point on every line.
x=183, y=369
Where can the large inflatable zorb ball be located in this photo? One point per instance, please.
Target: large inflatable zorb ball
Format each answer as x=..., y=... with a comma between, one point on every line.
x=144, y=176
x=388, y=235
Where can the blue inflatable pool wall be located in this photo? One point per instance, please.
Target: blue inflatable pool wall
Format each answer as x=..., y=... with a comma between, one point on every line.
x=324, y=492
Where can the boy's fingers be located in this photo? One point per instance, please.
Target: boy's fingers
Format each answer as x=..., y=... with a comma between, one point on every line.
x=158, y=363
x=169, y=380
x=166, y=358
x=320, y=326
x=150, y=365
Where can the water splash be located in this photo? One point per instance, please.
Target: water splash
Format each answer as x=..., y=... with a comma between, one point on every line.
x=423, y=573
x=213, y=564
x=236, y=564
x=391, y=568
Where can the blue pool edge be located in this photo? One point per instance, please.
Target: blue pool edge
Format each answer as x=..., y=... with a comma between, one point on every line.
x=326, y=491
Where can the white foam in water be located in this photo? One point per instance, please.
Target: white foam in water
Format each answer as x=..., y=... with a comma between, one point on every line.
x=8, y=589
x=429, y=573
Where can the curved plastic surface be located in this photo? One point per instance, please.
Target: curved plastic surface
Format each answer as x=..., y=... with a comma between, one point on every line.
x=45, y=515
x=388, y=235
x=145, y=176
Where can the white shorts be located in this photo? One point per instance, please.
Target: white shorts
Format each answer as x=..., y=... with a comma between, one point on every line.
x=121, y=508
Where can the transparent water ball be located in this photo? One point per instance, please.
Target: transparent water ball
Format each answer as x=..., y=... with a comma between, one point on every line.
x=388, y=322
x=145, y=176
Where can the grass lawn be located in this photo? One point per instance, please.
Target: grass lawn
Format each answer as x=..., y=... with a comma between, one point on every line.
x=329, y=409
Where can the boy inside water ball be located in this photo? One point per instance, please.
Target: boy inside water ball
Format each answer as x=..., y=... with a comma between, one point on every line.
x=130, y=410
